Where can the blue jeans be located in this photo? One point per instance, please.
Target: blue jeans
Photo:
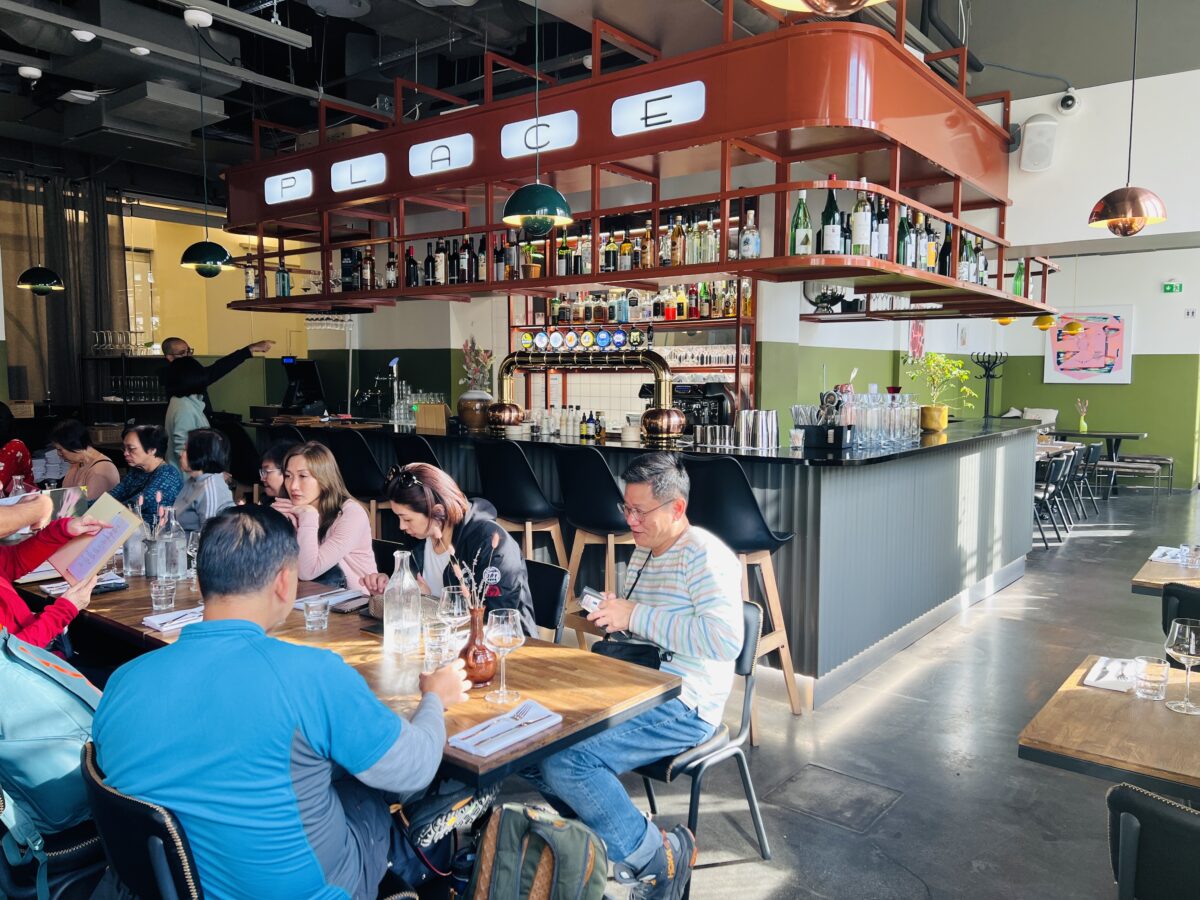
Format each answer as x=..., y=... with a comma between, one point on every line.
x=587, y=774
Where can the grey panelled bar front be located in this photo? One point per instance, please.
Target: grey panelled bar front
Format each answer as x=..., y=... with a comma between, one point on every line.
x=888, y=544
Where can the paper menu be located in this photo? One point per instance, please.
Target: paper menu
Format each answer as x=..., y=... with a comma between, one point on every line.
x=80, y=559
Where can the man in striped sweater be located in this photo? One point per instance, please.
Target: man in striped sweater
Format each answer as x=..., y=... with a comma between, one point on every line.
x=683, y=592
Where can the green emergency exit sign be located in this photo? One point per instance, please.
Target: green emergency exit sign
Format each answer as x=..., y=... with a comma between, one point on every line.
x=1172, y=287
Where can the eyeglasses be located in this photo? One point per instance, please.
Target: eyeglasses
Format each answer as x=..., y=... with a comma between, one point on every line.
x=633, y=514
x=263, y=473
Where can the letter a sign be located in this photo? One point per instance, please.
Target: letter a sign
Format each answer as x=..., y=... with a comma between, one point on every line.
x=454, y=152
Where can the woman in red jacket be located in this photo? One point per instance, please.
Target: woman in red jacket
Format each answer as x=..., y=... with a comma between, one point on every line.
x=20, y=559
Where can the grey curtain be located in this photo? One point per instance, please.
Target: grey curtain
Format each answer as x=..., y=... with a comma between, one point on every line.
x=66, y=225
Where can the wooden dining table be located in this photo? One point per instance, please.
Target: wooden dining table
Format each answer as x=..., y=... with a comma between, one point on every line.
x=591, y=692
x=1117, y=737
x=1153, y=576
x=1112, y=445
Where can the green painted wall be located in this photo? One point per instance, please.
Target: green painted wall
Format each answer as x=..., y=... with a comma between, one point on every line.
x=791, y=373
x=245, y=386
x=1163, y=400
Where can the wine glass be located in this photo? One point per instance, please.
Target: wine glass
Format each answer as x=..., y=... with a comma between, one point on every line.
x=453, y=608
x=503, y=634
x=193, y=548
x=1183, y=644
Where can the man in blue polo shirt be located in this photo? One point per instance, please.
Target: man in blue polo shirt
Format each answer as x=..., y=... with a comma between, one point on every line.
x=277, y=758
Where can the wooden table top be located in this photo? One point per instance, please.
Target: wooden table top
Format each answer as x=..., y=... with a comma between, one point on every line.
x=1153, y=576
x=592, y=692
x=1115, y=735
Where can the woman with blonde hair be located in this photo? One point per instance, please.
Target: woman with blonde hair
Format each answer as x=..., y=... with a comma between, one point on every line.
x=333, y=529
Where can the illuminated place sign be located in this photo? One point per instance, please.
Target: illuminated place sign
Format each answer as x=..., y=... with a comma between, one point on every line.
x=676, y=105
x=553, y=132
x=454, y=152
x=360, y=172
x=289, y=186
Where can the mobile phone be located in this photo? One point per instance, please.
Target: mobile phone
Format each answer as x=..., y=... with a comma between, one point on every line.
x=590, y=599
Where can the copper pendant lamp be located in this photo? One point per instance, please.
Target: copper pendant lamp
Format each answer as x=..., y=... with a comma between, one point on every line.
x=836, y=9
x=1128, y=210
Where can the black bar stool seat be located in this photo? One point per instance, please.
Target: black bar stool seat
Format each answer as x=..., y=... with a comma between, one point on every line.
x=723, y=502
x=508, y=482
x=413, y=448
x=361, y=471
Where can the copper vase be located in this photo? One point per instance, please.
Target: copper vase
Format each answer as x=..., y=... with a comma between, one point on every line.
x=480, y=661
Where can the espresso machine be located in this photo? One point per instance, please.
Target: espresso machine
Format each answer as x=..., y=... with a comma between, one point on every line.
x=709, y=403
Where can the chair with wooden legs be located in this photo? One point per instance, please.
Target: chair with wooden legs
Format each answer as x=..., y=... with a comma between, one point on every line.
x=723, y=502
x=508, y=482
x=591, y=504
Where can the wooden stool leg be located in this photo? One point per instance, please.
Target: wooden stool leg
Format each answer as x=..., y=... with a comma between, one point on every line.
x=527, y=545
x=573, y=564
x=775, y=614
x=375, y=519
x=560, y=549
x=742, y=558
x=610, y=563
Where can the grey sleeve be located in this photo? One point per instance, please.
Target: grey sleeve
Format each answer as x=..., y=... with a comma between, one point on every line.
x=411, y=762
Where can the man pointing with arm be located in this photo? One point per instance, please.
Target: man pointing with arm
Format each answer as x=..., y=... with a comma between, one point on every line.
x=175, y=348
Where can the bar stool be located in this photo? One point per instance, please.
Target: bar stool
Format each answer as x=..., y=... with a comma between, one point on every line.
x=413, y=448
x=361, y=472
x=591, y=503
x=723, y=502
x=243, y=456
x=509, y=484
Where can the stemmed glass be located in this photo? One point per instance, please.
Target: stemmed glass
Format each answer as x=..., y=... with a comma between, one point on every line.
x=193, y=549
x=503, y=634
x=1183, y=644
x=453, y=608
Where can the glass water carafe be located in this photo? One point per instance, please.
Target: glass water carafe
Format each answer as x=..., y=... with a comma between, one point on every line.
x=135, y=548
x=173, y=539
x=402, y=608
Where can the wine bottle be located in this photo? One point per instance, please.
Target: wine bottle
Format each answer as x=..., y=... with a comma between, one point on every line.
x=921, y=242
x=801, y=231
x=946, y=252
x=453, y=263
x=412, y=272
x=563, y=261
x=831, y=225
x=932, y=245
x=847, y=234
x=430, y=265
x=860, y=224
x=882, y=231
x=608, y=263
x=981, y=264
x=625, y=254
x=678, y=243
x=439, y=263
x=1018, y=285
x=390, y=274
x=903, y=238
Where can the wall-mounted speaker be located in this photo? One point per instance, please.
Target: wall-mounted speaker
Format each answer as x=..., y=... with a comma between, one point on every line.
x=1037, y=142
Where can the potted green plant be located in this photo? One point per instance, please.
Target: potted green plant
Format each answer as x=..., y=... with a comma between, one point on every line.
x=473, y=404
x=946, y=378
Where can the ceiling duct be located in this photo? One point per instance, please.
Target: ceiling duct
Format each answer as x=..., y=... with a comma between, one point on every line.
x=146, y=112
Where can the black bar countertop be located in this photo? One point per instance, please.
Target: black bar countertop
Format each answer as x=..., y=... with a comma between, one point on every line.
x=956, y=433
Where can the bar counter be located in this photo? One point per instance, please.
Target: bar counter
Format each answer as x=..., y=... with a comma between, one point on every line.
x=888, y=543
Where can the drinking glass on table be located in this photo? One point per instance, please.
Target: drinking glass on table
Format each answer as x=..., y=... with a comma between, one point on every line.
x=439, y=645
x=162, y=594
x=1194, y=557
x=193, y=548
x=1183, y=644
x=1151, y=675
x=503, y=634
x=453, y=608
x=316, y=613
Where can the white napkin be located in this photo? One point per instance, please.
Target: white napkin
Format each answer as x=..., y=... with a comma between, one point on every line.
x=335, y=596
x=173, y=619
x=1111, y=674
x=58, y=588
x=1165, y=554
x=519, y=724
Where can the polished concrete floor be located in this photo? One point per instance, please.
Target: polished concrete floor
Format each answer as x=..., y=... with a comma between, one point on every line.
x=936, y=803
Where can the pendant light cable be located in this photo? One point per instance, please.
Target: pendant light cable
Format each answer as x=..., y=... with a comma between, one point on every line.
x=203, y=140
x=1132, y=95
x=537, y=92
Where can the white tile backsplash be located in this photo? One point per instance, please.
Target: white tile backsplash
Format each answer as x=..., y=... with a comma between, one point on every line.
x=614, y=392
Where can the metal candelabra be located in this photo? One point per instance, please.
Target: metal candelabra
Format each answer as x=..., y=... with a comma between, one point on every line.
x=989, y=363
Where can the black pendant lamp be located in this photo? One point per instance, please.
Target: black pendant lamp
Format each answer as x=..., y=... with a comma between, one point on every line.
x=40, y=279
x=208, y=258
x=1128, y=210
x=537, y=207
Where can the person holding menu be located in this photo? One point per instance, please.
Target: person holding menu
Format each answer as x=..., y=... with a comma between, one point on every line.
x=20, y=559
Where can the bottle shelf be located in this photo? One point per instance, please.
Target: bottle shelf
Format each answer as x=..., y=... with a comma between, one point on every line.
x=664, y=325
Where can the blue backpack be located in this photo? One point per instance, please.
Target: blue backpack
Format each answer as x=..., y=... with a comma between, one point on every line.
x=45, y=720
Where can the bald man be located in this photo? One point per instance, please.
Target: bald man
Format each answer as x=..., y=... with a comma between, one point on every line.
x=176, y=348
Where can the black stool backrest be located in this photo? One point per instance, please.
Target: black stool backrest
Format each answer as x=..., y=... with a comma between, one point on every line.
x=548, y=588
x=507, y=481
x=1054, y=471
x=385, y=555
x=1077, y=458
x=747, y=662
x=413, y=448
x=144, y=843
x=289, y=433
x=590, y=493
x=1094, y=452
x=1152, y=844
x=361, y=471
x=721, y=501
x=243, y=455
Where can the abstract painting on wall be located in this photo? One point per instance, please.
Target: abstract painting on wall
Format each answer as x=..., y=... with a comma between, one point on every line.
x=1098, y=354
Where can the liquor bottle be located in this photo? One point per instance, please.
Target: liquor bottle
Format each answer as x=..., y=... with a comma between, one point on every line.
x=664, y=247
x=635, y=255
x=348, y=272
x=499, y=267
x=585, y=250
x=563, y=262
x=981, y=264
x=747, y=299
x=577, y=310
x=705, y=301
x=831, y=225
x=439, y=262
x=733, y=244
x=681, y=303
x=882, y=230
x=601, y=425
x=966, y=258
x=693, y=302
x=649, y=257
x=860, y=224
x=251, y=283
x=608, y=253
x=368, y=270
x=464, y=260
x=946, y=251
x=657, y=310
x=691, y=253
x=512, y=256
x=412, y=272
x=283, y=281
x=625, y=255
x=391, y=274
x=583, y=428
x=729, y=304
x=801, y=233
x=903, y=238
x=591, y=425
x=920, y=242
x=1018, y=284
x=452, y=262
x=931, y=259
x=430, y=264
x=480, y=273
x=750, y=241
x=847, y=234
x=635, y=312
x=710, y=241
x=678, y=243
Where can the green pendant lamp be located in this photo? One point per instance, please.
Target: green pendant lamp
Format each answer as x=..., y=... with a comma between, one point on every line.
x=40, y=279
x=537, y=207
x=208, y=258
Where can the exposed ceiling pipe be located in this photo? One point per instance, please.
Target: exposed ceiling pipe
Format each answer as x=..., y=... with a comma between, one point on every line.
x=930, y=16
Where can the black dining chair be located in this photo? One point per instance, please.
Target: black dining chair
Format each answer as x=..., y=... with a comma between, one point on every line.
x=1045, y=493
x=508, y=482
x=413, y=448
x=1179, y=601
x=75, y=864
x=1151, y=844
x=244, y=457
x=548, y=588
x=144, y=842
x=696, y=761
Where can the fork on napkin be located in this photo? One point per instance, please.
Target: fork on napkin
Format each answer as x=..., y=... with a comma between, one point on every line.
x=1111, y=674
x=501, y=732
x=174, y=619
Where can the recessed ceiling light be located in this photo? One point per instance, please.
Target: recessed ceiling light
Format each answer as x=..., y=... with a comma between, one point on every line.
x=83, y=35
x=139, y=51
x=33, y=73
x=196, y=17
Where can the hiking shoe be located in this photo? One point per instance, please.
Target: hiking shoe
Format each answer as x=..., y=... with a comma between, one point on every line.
x=666, y=876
